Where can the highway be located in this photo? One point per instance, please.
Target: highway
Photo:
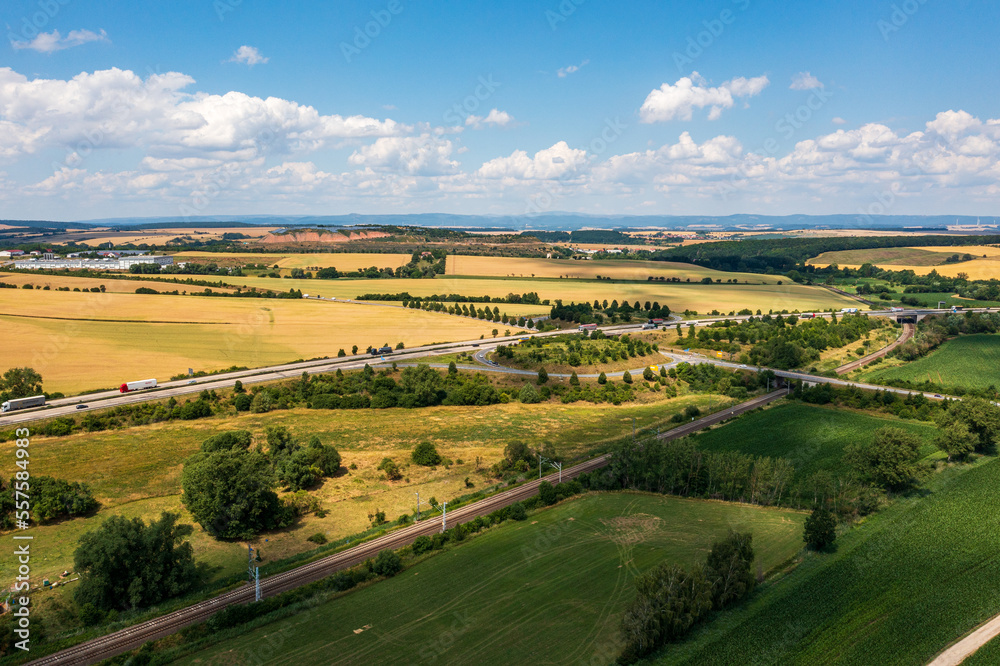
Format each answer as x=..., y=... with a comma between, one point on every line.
x=176, y=389
x=130, y=638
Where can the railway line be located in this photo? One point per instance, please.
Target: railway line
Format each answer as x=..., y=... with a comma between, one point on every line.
x=908, y=331
x=130, y=638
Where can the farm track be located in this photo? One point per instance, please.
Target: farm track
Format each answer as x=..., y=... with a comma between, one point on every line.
x=130, y=638
x=908, y=331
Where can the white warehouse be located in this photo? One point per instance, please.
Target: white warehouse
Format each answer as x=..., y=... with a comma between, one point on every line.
x=107, y=264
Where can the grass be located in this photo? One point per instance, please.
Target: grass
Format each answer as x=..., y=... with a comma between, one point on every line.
x=617, y=270
x=547, y=590
x=137, y=471
x=104, y=339
x=900, y=587
x=812, y=437
x=969, y=361
x=678, y=296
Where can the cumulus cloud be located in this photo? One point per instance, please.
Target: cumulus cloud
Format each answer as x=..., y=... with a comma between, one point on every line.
x=805, y=81
x=554, y=162
x=424, y=155
x=49, y=42
x=248, y=55
x=563, y=72
x=678, y=101
x=117, y=108
x=494, y=117
x=838, y=121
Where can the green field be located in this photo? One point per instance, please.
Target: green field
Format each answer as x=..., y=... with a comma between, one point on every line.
x=812, y=437
x=901, y=586
x=969, y=361
x=548, y=590
x=886, y=256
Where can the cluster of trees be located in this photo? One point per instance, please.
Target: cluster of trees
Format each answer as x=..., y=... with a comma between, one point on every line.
x=418, y=386
x=20, y=383
x=670, y=600
x=51, y=499
x=782, y=342
x=586, y=313
x=419, y=266
x=935, y=329
x=468, y=311
x=910, y=406
x=230, y=489
x=576, y=350
x=530, y=298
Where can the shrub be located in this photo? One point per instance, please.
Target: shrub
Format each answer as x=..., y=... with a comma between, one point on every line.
x=422, y=544
x=318, y=538
x=820, y=529
x=387, y=563
x=426, y=454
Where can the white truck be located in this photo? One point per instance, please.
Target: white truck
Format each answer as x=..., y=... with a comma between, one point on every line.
x=849, y=310
x=128, y=387
x=22, y=403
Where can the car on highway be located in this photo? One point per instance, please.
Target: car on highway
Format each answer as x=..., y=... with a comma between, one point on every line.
x=81, y=406
x=192, y=382
x=742, y=365
x=938, y=395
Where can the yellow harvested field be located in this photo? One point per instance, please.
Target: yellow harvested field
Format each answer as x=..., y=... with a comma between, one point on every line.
x=678, y=296
x=115, y=286
x=921, y=260
x=977, y=269
x=161, y=236
x=342, y=261
x=101, y=340
x=590, y=269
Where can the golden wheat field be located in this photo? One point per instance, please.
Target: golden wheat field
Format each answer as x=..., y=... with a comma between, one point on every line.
x=589, y=269
x=921, y=260
x=82, y=341
x=116, y=286
x=160, y=236
x=342, y=261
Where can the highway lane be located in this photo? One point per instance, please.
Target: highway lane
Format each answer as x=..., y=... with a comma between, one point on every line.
x=176, y=389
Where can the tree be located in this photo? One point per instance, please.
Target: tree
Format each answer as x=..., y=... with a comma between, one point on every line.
x=820, y=529
x=889, y=459
x=341, y=353
x=297, y=472
x=261, y=403
x=20, y=383
x=126, y=564
x=529, y=395
x=495, y=332
x=627, y=377
x=279, y=441
x=542, y=376
x=648, y=375
x=602, y=379
x=238, y=387
x=231, y=493
x=322, y=456
x=426, y=454
x=387, y=563
x=957, y=440
x=230, y=439
x=391, y=469
x=982, y=418
x=574, y=380
x=729, y=568
x=452, y=369
x=354, y=350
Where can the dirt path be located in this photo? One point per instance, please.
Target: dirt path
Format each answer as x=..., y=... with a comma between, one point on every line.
x=908, y=330
x=964, y=648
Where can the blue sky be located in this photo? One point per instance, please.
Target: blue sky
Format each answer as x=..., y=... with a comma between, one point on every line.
x=228, y=106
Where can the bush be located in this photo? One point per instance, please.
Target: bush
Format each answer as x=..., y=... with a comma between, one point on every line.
x=517, y=512
x=388, y=465
x=627, y=377
x=820, y=529
x=318, y=538
x=224, y=441
x=422, y=544
x=529, y=395
x=426, y=454
x=387, y=563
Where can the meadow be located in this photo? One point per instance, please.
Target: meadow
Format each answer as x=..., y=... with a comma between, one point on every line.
x=968, y=361
x=80, y=341
x=136, y=471
x=811, y=437
x=547, y=590
x=985, y=266
x=901, y=586
x=591, y=269
x=679, y=297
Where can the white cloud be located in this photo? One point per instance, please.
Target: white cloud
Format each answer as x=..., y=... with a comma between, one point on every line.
x=248, y=55
x=563, y=72
x=838, y=121
x=424, y=155
x=49, y=42
x=494, y=117
x=554, y=162
x=805, y=81
x=118, y=109
x=678, y=101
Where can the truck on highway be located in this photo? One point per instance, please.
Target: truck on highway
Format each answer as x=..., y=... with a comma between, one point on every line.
x=849, y=310
x=22, y=403
x=140, y=385
x=381, y=350
x=588, y=327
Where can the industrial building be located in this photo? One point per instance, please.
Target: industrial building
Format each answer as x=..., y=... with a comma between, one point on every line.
x=105, y=264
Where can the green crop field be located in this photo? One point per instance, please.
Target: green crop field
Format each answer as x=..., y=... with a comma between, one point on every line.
x=885, y=256
x=136, y=471
x=812, y=437
x=548, y=590
x=901, y=586
x=969, y=361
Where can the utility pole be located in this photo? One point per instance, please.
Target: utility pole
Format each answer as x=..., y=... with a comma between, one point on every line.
x=250, y=567
x=256, y=571
x=444, y=516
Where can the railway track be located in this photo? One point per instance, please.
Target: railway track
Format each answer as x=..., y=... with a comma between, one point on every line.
x=130, y=638
x=908, y=331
